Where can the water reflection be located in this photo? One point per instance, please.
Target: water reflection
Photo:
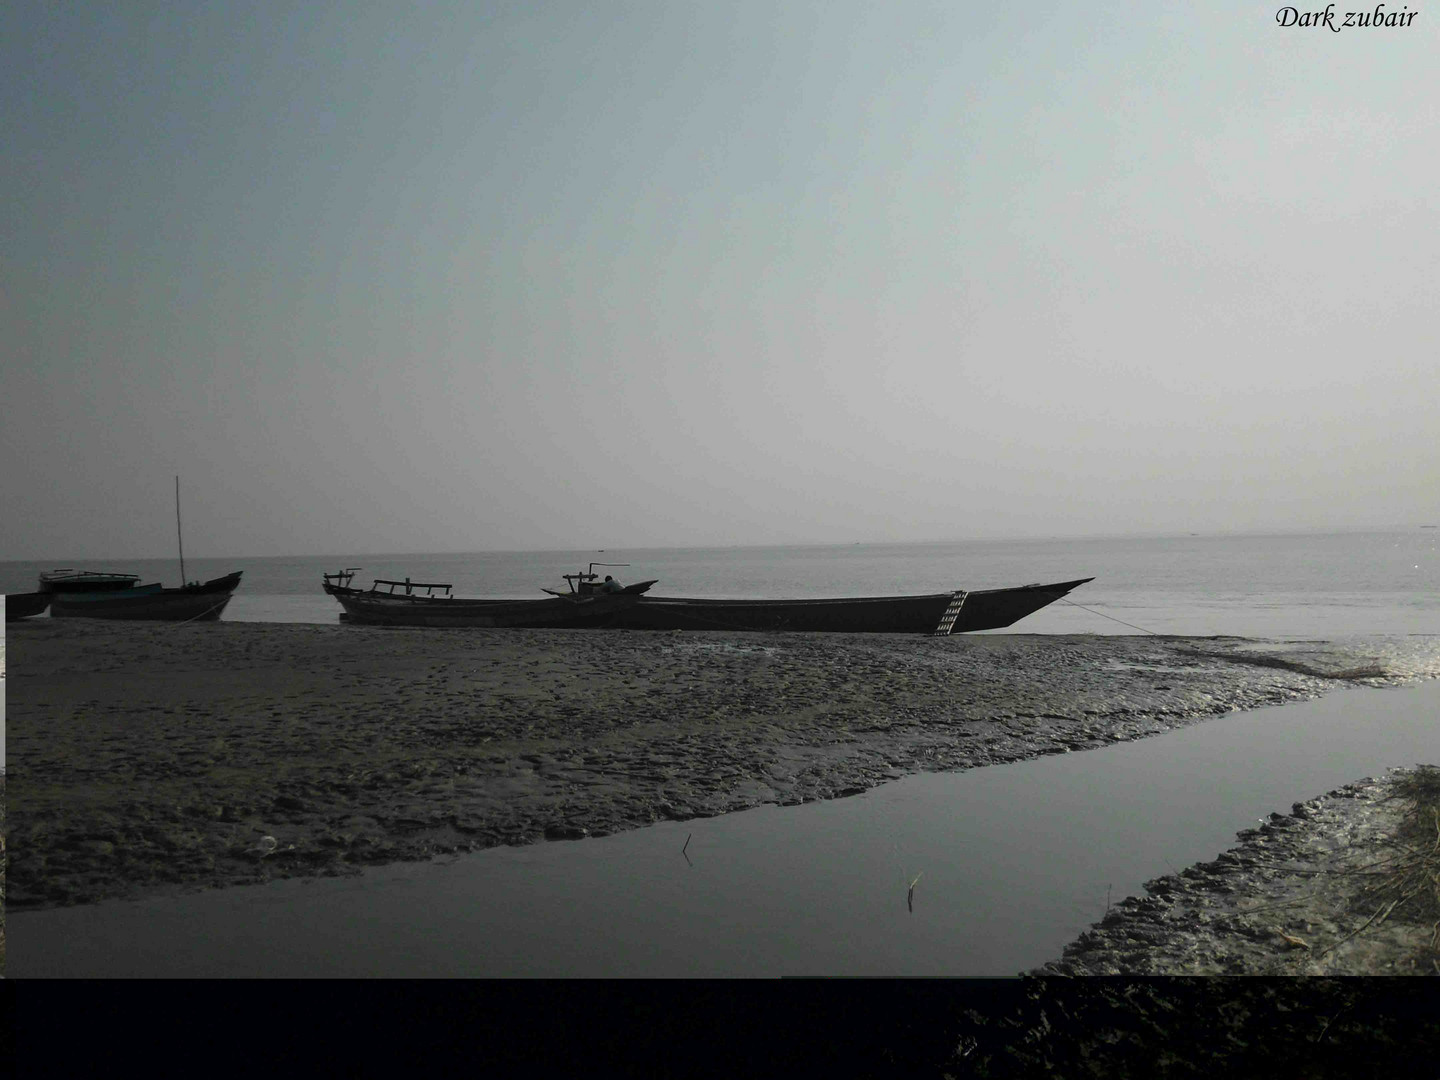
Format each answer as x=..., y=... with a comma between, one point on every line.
x=1013, y=862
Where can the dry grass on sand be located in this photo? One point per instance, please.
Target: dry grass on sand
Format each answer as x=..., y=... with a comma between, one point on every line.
x=1407, y=875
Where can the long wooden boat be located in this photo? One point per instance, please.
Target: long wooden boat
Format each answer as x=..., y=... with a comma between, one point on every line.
x=25, y=604
x=189, y=603
x=936, y=614
x=86, y=581
x=586, y=605
x=383, y=605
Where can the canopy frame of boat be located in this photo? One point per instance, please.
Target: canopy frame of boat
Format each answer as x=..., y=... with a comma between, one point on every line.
x=586, y=582
x=66, y=579
x=342, y=579
x=410, y=586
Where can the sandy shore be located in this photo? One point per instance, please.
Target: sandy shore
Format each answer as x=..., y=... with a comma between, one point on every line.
x=1300, y=895
x=150, y=758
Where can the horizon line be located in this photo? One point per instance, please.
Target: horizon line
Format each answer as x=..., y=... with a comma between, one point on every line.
x=752, y=545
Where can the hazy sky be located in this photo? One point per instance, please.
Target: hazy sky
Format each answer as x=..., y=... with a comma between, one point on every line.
x=458, y=276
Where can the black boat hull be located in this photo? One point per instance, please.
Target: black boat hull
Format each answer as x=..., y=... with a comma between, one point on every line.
x=989, y=609
x=24, y=605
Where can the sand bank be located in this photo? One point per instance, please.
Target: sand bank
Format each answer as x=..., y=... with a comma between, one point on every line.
x=154, y=758
x=1303, y=894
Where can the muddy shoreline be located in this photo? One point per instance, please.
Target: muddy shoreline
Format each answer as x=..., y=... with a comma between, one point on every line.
x=1296, y=896
x=152, y=759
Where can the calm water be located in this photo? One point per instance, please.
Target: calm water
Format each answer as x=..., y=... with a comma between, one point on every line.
x=1307, y=585
x=1012, y=861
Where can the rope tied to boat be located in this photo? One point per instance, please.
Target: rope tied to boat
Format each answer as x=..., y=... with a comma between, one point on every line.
x=1112, y=618
x=202, y=614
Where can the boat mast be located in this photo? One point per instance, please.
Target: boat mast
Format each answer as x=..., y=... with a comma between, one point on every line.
x=178, y=535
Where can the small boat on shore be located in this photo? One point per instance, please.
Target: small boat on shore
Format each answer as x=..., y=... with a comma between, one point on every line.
x=88, y=594
x=67, y=580
x=196, y=602
x=24, y=605
x=589, y=604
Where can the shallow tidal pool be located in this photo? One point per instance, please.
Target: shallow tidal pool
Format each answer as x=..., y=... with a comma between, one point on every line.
x=986, y=872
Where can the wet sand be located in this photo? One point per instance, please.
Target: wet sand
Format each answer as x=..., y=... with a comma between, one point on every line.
x=1297, y=896
x=155, y=758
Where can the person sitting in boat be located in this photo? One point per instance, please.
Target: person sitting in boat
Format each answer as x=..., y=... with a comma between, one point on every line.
x=610, y=585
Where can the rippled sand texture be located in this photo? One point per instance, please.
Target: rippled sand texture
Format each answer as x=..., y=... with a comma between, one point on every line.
x=153, y=757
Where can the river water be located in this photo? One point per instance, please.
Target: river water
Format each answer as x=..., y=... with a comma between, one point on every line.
x=1009, y=864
